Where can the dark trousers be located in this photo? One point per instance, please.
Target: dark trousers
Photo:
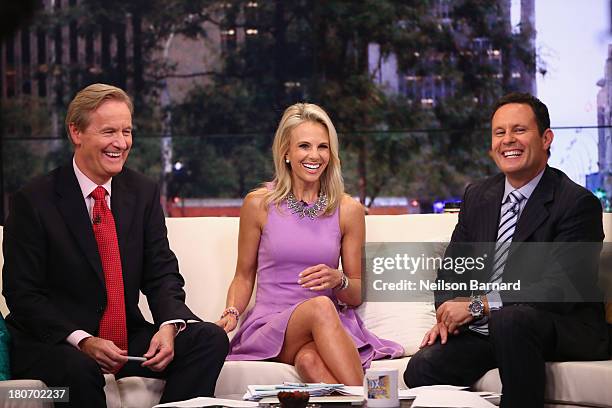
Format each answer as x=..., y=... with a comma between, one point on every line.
x=520, y=340
x=199, y=353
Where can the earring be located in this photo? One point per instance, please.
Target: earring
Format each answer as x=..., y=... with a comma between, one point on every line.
x=287, y=160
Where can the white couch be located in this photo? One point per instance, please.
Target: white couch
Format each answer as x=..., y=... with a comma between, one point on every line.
x=207, y=249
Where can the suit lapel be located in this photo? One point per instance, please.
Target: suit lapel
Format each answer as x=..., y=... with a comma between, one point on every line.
x=72, y=207
x=122, y=206
x=535, y=212
x=490, y=208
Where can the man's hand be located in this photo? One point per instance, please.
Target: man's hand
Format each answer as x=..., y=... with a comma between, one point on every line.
x=320, y=277
x=450, y=316
x=454, y=313
x=438, y=329
x=161, y=349
x=108, y=356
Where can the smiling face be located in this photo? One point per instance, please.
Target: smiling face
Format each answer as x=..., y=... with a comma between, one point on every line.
x=308, y=152
x=103, y=146
x=517, y=147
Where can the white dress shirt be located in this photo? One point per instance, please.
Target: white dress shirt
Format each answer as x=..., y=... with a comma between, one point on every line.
x=87, y=187
x=493, y=297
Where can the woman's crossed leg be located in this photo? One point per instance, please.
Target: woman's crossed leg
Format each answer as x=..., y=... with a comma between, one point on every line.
x=319, y=346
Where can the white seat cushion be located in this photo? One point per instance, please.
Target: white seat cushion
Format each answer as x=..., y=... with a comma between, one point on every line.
x=398, y=364
x=139, y=391
x=237, y=375
x=113, y=399
x=22, y=384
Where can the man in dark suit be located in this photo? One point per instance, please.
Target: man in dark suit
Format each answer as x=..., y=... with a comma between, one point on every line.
x=79, y=245
x=517, y=331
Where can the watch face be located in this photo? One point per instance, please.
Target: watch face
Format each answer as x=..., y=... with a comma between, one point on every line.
x=476, y=308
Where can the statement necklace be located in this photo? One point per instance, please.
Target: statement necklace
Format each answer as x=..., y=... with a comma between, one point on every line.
x=303, y=210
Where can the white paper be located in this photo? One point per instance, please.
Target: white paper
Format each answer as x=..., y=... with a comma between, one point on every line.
x=351, y=390
x=450, y=399
x=257, y=392
x=408, y=393
x=338, y=399
x=413, y=392
x=207, y=402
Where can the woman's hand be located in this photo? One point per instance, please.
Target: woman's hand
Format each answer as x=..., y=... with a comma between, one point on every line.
x=320, y=277
x=227, y=322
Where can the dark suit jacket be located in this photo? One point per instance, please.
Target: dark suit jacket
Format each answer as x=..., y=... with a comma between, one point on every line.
x=52, y=277
x=561, y=212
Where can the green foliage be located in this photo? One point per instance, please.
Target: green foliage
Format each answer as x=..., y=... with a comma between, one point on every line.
x=19, y=162
x=223, y=166
x=26, y=116
x=145, y=156
x=323, y=47
x=319, y=52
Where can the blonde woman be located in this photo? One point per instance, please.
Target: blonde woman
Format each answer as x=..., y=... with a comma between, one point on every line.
x=292, y=233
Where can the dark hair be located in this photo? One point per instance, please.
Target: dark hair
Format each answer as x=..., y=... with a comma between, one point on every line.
x=539, y=109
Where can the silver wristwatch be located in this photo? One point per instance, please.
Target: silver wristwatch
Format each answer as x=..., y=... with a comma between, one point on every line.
x=476, y=307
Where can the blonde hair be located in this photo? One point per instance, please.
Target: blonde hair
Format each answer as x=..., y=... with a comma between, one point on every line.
x=331, y=180
x=88, y=100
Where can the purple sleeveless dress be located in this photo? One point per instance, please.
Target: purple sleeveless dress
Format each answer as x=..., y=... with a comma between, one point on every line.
x=289, y=245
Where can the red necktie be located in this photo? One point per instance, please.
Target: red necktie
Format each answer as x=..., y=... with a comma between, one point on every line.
x=112, y=326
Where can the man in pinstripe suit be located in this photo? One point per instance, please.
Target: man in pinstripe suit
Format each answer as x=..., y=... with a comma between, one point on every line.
x=527, y=202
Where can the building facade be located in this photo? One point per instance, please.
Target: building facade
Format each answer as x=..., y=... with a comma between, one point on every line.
x=601, y=182
x=431, y=86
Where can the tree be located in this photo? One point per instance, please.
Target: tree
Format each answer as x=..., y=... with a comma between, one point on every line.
x=129, y=34
x=318, y=51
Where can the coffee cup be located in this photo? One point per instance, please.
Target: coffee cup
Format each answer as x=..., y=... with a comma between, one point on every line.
x=380, y=388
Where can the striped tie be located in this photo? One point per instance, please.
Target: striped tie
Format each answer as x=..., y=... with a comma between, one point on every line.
x=507, y=224
x=505, y=232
